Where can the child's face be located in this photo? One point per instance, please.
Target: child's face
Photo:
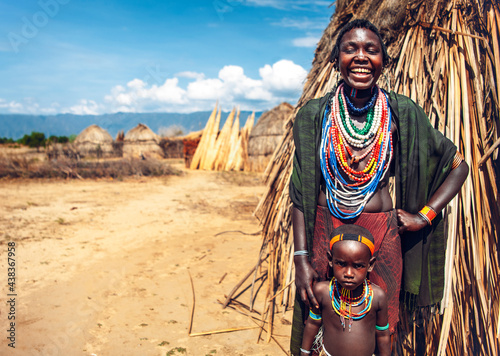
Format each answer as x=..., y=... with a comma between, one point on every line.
x=350, y=261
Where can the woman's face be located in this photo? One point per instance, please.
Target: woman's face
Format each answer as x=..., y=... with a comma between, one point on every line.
x=360, y=58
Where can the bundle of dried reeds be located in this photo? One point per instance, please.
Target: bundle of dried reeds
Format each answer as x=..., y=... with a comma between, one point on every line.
x=446, y=57
x=224, y=150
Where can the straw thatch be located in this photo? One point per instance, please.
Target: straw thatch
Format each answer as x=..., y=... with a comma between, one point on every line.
x=94, y=141
x=224, y=150
x=445, y=56
x=266, y=135
x=141, y=142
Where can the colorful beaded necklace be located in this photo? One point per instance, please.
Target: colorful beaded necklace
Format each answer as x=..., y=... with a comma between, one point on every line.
x=360, y=111
x=342, y=302
x=338, y=138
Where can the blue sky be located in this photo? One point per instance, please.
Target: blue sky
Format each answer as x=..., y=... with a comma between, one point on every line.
x=94, y=57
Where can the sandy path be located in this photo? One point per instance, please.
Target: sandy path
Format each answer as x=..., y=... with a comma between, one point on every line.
x=102, y=266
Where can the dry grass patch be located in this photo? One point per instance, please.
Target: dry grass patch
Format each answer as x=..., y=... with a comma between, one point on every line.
x=23, y=167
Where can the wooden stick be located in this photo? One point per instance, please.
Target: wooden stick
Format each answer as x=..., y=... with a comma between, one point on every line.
x=489, y=152
x=192, y=309
x=230, y=295
x=428, y=25
x=282, y=289
x=222, y=278
x=223, y=331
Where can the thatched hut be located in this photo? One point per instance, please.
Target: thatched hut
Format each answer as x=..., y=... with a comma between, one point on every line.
x=94, y=141
x=142, y=142
x=445, y=56
x=266, y=135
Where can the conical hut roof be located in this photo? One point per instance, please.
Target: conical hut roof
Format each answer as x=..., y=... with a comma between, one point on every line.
x=142, y=142
x=271, y=122
x=141, y=133
x=266, y=136
x=94, y=141
x=94, y=134
x=445, y=56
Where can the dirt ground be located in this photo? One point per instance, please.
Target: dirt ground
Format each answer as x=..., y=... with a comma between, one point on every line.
x=102, y=266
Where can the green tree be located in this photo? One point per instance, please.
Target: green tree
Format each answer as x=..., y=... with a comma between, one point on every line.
x=36, y=139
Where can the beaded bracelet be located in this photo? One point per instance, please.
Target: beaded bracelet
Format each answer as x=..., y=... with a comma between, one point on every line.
x=301, y=253
x=314, y=316
x=305, y=351
x=382, y=328
x=428, y=214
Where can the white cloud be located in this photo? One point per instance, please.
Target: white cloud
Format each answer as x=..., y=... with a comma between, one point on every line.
x=27, y=106
x=205, y=89
x=306, y=41
x=137, y=97
x=283, y=76
x=85, y=107
x=281, y=81
x=191, y=75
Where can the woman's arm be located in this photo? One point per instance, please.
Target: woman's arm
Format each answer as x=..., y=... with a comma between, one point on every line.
x=304, y=273
x=445, y=193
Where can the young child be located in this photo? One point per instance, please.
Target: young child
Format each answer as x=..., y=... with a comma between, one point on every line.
x=353, y=311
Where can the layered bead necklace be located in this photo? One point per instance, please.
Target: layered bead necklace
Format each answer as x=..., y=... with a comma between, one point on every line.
x=342, y=302
x=339, y=136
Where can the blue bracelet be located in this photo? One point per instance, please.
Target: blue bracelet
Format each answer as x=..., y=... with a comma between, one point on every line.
x=382, y=328
x=314, y=316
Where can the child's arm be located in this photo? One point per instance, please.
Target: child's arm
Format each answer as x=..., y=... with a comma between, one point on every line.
x=314, y=320
x=382, y=333
x=313, y=323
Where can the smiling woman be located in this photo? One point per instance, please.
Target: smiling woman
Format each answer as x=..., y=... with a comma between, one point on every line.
x=347, y=145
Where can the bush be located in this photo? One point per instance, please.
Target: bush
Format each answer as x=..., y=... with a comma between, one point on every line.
x=35, y=140
x=6, y=140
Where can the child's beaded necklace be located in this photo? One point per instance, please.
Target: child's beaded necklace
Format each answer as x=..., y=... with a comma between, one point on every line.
x=338, y=136
x=342, y=302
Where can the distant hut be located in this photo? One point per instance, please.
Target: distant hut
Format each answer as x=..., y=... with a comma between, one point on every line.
x=172, y=147
x=266, y=135
x=94, y=141
x=141, y=142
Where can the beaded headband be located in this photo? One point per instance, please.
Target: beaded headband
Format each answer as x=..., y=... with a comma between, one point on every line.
x=353, y=237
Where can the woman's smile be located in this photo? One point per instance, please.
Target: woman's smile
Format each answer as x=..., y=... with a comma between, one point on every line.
x=360, y=58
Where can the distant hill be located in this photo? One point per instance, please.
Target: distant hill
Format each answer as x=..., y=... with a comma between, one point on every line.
x=16, y=126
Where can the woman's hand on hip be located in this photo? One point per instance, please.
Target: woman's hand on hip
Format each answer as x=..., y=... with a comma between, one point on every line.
x=409, y=222
x=304, y=277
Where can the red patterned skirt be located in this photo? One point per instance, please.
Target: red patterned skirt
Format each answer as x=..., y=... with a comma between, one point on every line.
x=387, y=271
